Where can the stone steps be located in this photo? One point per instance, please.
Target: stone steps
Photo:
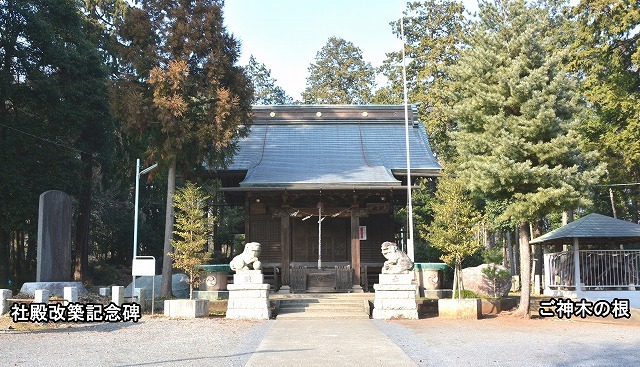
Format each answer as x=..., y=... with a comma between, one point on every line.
x=323, y=306
x=323, y=315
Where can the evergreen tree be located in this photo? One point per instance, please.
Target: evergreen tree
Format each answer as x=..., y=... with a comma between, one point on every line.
x=265, y=90
x=54, y=118
x=454, y=225
x=606, y=54
x=433, y=31
x=339, y=76
x=192, y=230
x=181, y=91
x=517, y=111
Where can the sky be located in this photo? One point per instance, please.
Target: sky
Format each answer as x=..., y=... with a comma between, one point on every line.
x=285, y=35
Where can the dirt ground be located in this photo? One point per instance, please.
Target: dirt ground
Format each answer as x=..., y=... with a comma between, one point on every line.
x=500, y=340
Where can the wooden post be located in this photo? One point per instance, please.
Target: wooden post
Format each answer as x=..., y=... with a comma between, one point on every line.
x=355, y=243
x=285, y=241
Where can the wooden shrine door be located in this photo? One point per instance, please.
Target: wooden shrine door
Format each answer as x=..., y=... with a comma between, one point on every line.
x=335, y=240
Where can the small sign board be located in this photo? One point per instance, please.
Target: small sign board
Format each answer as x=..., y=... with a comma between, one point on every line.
x=363, y=233
x=143, y=266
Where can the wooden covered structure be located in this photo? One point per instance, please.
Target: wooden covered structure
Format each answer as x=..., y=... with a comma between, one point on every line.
x=602, y=269
x=320, y=183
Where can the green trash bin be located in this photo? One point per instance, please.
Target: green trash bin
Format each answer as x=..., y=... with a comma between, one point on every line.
x=430, y=276
x=216, y=277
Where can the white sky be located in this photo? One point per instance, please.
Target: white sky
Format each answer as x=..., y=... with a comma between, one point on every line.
x=285, y=35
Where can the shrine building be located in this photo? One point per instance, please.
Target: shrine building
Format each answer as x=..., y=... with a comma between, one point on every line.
x=321, y=185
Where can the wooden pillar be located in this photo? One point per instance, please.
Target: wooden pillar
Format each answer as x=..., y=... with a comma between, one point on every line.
x=355, y=244
x=285, y=241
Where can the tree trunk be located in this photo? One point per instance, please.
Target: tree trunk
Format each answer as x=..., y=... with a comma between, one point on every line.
x=165, y=288
x=525, y=270
x=455, y=282
x=510, y=254
x=32, y=254
x=13, y=254
x=20, y=250
x=82, y=222
x=537, y=258
x=613, y=205
x=4, y=258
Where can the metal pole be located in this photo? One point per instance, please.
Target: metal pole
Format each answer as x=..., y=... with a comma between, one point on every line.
x=410, y=251
x=135, y=216
x=135, y=224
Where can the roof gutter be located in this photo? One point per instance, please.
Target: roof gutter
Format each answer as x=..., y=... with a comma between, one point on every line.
x=315, y=188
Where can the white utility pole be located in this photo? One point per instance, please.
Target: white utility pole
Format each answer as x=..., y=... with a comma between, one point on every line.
x=410, y=251
x=135, y=215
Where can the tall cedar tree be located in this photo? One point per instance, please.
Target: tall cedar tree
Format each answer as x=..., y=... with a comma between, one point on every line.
x=265, y=90
x=606, y=54
x=339, y=76
x=454, y=226
x=182, y=91
x=433, y=30
x=192, y=230
x=53, y=120
x=517, y=111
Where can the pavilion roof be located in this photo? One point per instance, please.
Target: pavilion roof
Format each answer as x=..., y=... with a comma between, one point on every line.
x=593, y=228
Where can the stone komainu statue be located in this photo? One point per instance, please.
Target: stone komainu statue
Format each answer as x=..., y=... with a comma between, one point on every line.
x=397, y=261
x=248, y=259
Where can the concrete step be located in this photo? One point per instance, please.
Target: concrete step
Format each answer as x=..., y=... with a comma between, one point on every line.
x=318, y=296
x=322, y=300
x=323, y=307
x=322, y=315
x=326, y=308
x=356, y=304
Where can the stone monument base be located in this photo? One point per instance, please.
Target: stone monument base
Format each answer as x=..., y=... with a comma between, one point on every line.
x=248, y=296
x=466, y=308
x=186, y=308
x=395, y=297
x=56, y=289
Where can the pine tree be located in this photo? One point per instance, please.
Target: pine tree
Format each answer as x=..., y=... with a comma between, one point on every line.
x=517, y=111
x=339, y=76
x=192, y=230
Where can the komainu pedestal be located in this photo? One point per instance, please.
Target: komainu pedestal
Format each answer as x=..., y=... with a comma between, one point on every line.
x=395, y=297
x=248, y=296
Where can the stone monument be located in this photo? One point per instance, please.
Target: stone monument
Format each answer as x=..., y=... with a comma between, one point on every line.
x=53, y=268
x=248, y=295
x=54, y=237
x=395, y=293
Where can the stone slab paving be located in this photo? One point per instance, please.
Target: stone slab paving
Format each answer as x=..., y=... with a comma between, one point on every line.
x=329, y=342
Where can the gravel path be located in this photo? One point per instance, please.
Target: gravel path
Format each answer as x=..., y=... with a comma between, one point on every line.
x=512, y=341
x=498, y=341
x=150, y=342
